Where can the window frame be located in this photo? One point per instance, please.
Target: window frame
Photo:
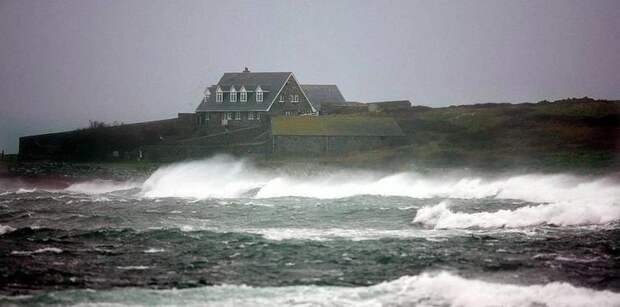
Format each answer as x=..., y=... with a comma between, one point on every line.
x=228, y=115
x=219, y=95
x=233, y=94
x=259, y=94
x=237, y=115
x=243, y=95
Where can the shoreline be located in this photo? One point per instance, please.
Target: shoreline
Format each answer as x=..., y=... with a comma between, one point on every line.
x=53, y=174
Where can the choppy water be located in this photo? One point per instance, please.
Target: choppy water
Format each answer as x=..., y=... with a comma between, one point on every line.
x=221, y=232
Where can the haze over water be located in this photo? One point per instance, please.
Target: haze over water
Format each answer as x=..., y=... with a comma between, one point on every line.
x=224, y=232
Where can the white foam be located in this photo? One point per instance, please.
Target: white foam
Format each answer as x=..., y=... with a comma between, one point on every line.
x=562, y=199
x=442, y=289
x=24, y=191
x=6, y=229
x=154, y=250
x=54, y=250
x=101, y=186
x=218, y=177
x=226, y=177
x=441, y=216
x=133, y=267
x=317, y=234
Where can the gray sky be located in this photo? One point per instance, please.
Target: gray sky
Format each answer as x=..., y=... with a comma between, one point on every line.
x=63, y=63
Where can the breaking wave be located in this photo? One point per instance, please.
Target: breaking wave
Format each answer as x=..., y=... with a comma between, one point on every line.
x=226, y=177
x=101, y=186
x=559, y=199
x=442, y=289
x=562, y=214
x=218, y=177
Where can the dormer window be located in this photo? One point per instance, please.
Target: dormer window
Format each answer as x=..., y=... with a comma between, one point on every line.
x=233, y=94
x=259, y=94
x=243, y=95
x=219, y=95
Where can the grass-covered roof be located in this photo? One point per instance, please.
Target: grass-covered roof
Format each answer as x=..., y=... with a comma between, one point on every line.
x=335, y=125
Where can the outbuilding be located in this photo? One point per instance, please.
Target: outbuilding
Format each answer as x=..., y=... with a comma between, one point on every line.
x=312, y=135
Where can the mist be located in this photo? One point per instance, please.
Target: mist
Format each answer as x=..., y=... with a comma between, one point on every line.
x=64, y=63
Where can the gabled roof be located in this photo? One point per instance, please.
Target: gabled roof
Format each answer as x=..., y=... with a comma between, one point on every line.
x=335, y=125
x=270, y=83
x=322, y=93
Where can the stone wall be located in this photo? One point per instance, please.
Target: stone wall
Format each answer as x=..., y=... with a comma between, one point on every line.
x=177, y=152
x=320, y=145
x=104, y=143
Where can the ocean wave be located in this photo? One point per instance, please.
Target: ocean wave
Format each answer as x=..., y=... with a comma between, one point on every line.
x=6, y=229
x=99, y=186
x=316, y=234
x=226, y=177
x=440, y=216
x=428, y=289
x=53, y=250
x=218, y=177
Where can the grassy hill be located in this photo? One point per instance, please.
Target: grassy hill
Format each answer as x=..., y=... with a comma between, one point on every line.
x=571, y=134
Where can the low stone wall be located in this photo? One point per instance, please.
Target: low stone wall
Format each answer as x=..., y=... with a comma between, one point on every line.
x=103, y=143
x=177, y=152
x=320, y=145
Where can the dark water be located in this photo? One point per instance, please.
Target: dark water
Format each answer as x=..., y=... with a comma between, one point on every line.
x=458, y=241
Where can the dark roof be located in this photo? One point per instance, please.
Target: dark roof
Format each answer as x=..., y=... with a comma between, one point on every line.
x=335, y=125
x=270, y=83
x=322, y=93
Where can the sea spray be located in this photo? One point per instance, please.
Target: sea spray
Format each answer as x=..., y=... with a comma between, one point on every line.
x=227, y=177
x=99, y=186
x=217, y=177
x=441, y=216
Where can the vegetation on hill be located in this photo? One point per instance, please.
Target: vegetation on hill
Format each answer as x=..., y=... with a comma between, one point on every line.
x=568, y=134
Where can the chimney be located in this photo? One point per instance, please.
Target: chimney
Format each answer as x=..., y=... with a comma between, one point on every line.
x=246, y=70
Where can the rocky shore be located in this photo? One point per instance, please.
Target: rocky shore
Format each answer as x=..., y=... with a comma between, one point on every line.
x=51, y=174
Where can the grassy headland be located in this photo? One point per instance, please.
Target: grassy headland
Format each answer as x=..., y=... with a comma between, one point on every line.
x=575, y=135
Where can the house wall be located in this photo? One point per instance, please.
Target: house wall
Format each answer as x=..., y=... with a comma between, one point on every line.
x=291, y=88
x=212, y=121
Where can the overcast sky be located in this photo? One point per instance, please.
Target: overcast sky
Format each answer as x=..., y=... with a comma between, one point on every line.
x=63, y=63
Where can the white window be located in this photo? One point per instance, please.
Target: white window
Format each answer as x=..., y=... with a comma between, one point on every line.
x=243, y=95
x=281, y=98
x=259, y=94
x=229, y=115
x=251, y=115
x=233, y=94
x=219, y=95
x=238, y=115
x=295, y=98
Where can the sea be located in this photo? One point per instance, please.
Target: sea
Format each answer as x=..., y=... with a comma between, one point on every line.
x=225, y=232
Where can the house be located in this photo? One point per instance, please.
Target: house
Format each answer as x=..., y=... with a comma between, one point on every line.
x=250, y=99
